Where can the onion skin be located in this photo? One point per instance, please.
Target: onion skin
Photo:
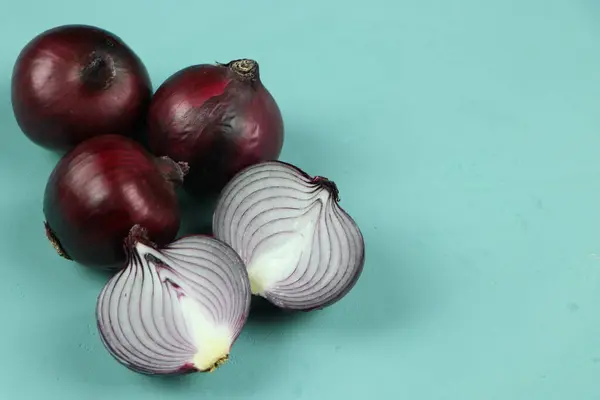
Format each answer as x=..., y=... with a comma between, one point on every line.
x=74, y=82
x=217, y=118
x=102, y=188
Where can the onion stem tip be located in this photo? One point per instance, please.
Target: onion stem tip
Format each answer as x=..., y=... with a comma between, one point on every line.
x=172, y=171
x=99, y=72
x=329, y=185
x=137, y=234
x=245, y=68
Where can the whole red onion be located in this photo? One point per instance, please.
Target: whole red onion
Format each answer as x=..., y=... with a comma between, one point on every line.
x=219, y=119
x=102, y=188
x=73, y=82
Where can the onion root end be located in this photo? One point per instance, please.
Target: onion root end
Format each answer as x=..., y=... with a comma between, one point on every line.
x=55, y=242
x=218, y=363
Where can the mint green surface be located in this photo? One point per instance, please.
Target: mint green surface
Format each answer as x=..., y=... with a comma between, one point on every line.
x=465, y=140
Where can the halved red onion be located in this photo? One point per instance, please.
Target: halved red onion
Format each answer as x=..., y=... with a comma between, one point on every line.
x=301, y=249
x=177, y=309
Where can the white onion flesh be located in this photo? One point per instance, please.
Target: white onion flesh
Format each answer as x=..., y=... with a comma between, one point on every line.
x=177, y=309
x=301, y=249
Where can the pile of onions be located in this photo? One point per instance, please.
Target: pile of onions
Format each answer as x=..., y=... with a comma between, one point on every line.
x=102, y=188
x=219, y=119
x=301, y=249
x=75, y=82
x=177, y=305
x=176, y=309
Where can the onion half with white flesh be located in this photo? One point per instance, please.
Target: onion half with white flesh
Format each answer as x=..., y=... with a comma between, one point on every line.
x=301, y=249
x=175, y=309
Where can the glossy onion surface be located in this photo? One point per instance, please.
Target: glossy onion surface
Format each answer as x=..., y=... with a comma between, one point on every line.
x=175, y=309
x=301, y=249
x=74, y=82
x=217, y=118
x=102, y=188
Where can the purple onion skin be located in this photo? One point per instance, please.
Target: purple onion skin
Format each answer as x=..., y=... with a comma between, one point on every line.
x=74, y=82
x=102, y=188
x=217, y=118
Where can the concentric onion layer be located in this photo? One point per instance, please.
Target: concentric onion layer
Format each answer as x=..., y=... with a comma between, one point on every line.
x=177, y=309
x=301, y=249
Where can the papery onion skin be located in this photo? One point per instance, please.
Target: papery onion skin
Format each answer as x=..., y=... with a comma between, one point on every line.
x=141, y=311
x=74, y=82
x=103, y=187
x=268, y=212
x=217, y=118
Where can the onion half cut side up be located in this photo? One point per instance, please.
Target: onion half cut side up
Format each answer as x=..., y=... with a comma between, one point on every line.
x=176, y=309
x=301, y=249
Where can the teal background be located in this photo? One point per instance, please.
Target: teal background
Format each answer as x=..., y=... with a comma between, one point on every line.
x=465, y=139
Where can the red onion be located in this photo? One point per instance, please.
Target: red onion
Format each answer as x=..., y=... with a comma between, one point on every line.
x=301, y=249
x=74, y=82
x=217, y=118
x=175, y=309
x=103, y=187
